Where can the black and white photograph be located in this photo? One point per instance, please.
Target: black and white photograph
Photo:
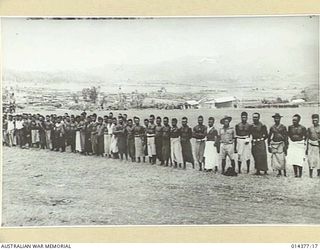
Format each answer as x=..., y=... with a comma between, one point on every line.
x=113, y=121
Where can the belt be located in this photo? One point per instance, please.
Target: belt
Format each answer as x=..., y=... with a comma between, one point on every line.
x=260, y=139
x=200, y=139
x=151, y=135
x=242, y=137
x=137, y=136
x=226, y=143
x=314, y=145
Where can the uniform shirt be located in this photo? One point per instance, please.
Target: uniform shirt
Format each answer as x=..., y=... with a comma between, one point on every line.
x=100, y=129
x=139, y=130
x=10, y=125
x=73, y=127
x=259, y=131
x=175, y=132
x=297, y=133
x=186, y=133
x=151, y=129
x=48, y=125
x=199, y=132
x=119, y=130
x=243, y=129
x=314, y=133
x=130, y=132
x=166, y=132
x=19, y=124
x=278, y=133
x=110, y=128
x=158, y=131
x=227, y=135
x=211, y=134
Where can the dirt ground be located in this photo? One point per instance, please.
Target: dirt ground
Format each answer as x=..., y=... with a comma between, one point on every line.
x=44, y=188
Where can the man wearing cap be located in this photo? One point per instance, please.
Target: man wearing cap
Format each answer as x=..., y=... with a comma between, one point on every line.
x=278, y=145
x=259, y=134
x=296, y=145
x=243, y=142
x=186, y=135
x=228, y=144
x=211, y=156
x=151, y=133
x=199, y=133
x=313, y=145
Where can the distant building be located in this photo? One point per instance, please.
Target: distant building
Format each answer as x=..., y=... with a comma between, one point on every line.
x=220, y=102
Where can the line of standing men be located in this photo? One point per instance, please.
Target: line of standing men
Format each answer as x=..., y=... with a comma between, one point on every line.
x=156, y=139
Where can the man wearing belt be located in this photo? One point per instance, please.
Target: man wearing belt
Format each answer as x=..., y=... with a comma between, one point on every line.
x=151, y=133
x=243, y=142
x=278, y=145
x=199, y=133
x=259, y=152
x=228, y=144
x=313, y=145
x=296, y=145
x=176, y=151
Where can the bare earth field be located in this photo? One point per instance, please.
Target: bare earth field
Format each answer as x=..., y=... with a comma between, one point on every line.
x=44, y=188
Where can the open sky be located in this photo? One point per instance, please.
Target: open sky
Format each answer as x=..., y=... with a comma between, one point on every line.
x=288, y=43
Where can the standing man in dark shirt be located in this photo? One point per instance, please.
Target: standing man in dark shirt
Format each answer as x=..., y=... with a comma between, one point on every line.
x=166, y=141
x=296, y=145
x=120, y=133
x=211, y=152
x=278, y=145
x=145, y=146
x=199, y=133
x=186, y=135
x=130, y=139
x=243, y=142
x=259, y=152
x=158, y=139
x=175, y=144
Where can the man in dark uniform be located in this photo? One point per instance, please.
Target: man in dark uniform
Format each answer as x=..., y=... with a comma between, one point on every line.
x=120, y=133
x=186, y=135
x=175, y=144
x=296, y=145
x=243, y=142
x=199, y=133
x=166, y=141
x=158, y=139
x=259, y=152
x=278, y=145
x=145, y=146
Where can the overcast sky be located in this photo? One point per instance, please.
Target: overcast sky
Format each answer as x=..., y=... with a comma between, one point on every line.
x=49, y=45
